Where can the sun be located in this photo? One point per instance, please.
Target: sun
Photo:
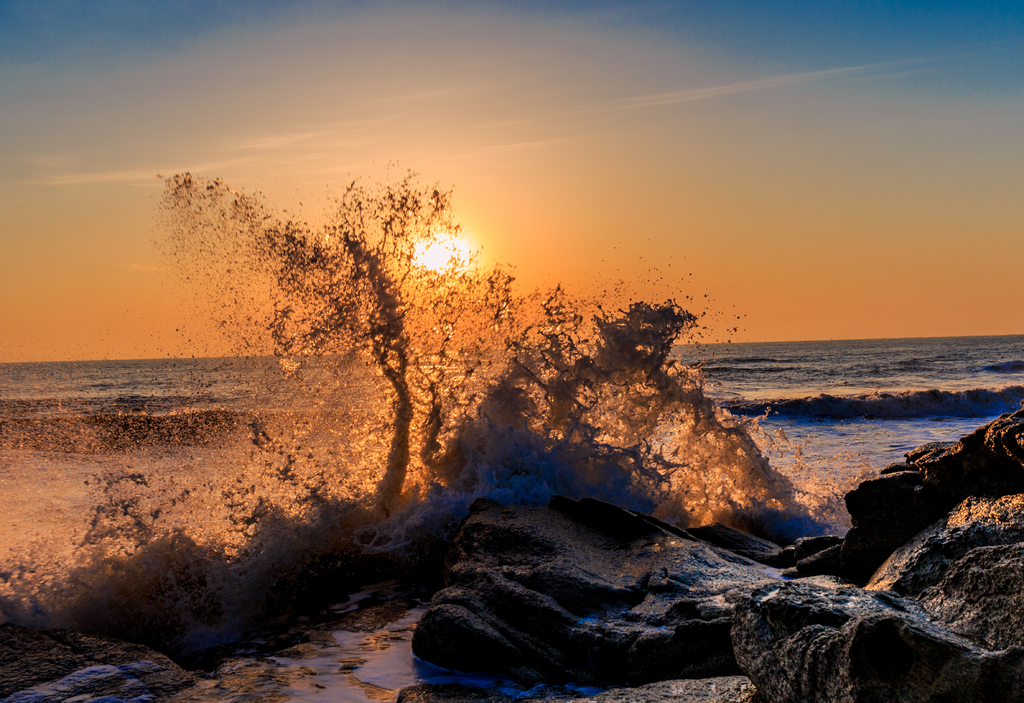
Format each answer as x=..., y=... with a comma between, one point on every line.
x=444, y=252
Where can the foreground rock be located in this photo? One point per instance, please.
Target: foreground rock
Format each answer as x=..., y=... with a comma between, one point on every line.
x=727, y=689
x=889, y=510
x=982, y=596
x=927, y=558
x=801, y=643
x=583, y=592
x=57, y=665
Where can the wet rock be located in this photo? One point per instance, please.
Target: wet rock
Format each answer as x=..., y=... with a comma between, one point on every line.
x=982, y=596
x=739, y=542
x=806, y=548
x=801, y=643
x=896, y=467
x=809, y=546
x=925, y=560
x=60, y=664
x=825, y=562
x=584, y=594
x=889, y=510
x=450, y=693
x=727, y=689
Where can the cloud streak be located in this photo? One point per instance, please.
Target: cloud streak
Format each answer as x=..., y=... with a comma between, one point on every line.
x=682, y=96
x=126, y=176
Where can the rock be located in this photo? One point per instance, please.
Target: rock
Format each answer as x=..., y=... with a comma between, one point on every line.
x=739, y=542
x=727, y=689
x=889, y=510
x=822, y=563
x=927, y=557
x=801, y=643
x=982, y=596
x=809, y=546
x=886, y=512
x=586, y=593
x=896, y=467
x=450, y=693
x=59, y=664
x=989, y=461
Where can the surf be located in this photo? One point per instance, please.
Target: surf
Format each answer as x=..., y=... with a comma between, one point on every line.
x=399, y=393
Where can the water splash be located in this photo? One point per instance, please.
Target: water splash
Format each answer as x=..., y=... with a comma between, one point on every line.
x=402, y=393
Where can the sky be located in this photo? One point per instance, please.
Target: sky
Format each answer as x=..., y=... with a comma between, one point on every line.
x=817, y=170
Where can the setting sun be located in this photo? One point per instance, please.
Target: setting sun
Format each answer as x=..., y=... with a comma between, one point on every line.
x=445, y=251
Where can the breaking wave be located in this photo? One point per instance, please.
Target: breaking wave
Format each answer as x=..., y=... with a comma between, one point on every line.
x=1007, y=367
x=400, y=394
x=978, y=402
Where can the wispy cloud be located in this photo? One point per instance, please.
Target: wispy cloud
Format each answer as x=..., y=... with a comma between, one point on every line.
x=682, y=96
x=278, y=141
x=130, y=177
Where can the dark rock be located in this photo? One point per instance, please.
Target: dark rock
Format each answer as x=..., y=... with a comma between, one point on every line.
x=889, y=510
x=450, y=693
x=926, y=558
x=825, y=562
x=739, y=542
x=886, y=512
x=982, y=596
x=72, y=664
x=989, y=461
x=539, y=594
x=726, y=689
x=800, y=643
x=611, y=520
x=370, y=617
x=896, y=468
x=809, y=546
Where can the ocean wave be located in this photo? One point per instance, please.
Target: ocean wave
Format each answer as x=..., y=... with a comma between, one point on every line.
x=1007, y=367
x=740, y=370
x=977, y=402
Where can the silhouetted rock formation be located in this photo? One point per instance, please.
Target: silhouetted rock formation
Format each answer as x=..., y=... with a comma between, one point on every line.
x=587, y=592
x=889, y=510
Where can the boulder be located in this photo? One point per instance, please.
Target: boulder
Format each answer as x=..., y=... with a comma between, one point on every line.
x=889, y=510
x=583, y=592
x=60, y=664
x=803, y=643
x=742, y=543
x=825, y=562
x=925, y=560
x=982, y=596
x=886, y=512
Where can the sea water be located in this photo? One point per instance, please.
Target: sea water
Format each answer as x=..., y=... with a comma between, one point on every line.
x=74, y=435
x=868, y=402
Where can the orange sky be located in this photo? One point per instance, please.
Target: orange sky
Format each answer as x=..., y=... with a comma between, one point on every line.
x=846, y=201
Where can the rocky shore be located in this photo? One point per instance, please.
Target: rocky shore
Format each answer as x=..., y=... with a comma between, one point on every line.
x=923, y=600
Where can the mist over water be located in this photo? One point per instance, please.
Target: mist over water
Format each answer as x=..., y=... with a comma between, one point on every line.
x=397, y=393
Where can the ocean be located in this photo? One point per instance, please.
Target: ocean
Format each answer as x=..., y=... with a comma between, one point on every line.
x=188, y=502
